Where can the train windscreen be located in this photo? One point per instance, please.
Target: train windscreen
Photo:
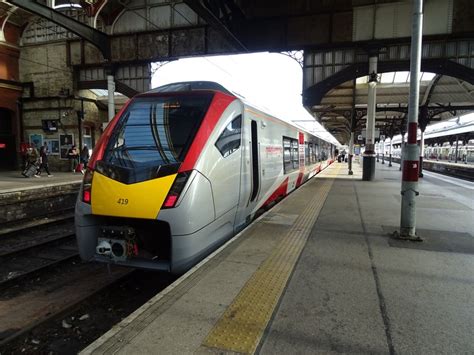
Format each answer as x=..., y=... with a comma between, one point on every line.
x=153, y=136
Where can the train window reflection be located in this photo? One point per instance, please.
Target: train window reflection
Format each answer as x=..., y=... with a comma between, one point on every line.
x=229, y=140
x=156, y=131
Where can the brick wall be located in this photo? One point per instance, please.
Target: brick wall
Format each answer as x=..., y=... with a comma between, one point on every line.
x=54, y=98
x=28, y=204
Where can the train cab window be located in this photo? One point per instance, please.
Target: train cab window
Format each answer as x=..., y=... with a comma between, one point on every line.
x=153, y=135
x=229, y=140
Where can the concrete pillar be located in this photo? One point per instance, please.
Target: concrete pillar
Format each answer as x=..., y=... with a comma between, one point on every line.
x=351, y=153
x=111, y=98
x=422, y=153
x=368, y=166
x=411, y=155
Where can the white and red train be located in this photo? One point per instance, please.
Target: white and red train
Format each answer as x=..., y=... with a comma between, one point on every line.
x=183, y=168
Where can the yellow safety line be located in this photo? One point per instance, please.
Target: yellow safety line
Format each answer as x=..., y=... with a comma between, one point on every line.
x=242, y=325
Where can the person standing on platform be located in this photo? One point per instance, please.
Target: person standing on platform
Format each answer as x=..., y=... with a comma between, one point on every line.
x=44, y=160
x=73, y=156
x=84, y=157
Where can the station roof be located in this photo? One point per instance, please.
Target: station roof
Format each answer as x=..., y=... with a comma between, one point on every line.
x=437, y=92
x=263, y=25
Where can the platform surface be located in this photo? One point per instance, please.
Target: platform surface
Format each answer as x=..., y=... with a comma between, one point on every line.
x=11, y=181
x=319, y=274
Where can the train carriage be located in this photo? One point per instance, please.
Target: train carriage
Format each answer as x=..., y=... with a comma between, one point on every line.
x=181, y=169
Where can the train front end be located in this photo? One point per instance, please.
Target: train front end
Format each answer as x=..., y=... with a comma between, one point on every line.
x=141, y=166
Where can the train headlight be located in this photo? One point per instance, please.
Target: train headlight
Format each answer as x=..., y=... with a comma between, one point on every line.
x=87, y=186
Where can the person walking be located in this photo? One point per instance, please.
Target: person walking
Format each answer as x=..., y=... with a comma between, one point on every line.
x=32, y=158
x=44, y=160
x=73, y=156
x=84, y=157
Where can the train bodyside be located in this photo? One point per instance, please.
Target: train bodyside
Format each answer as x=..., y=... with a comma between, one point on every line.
x=239, y=161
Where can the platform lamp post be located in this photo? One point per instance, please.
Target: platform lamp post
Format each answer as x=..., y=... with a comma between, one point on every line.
x=411, y=155
x=368, y=165
x=80, y=119
x=390, y=152
x=351, y=153
x=382, y=145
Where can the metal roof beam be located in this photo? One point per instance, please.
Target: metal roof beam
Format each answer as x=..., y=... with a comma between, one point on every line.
x=96, y=37
x=204, y=12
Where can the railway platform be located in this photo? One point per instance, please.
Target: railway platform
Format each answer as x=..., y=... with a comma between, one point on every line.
x=319, y=273
x=24, y=200
x=13, y=181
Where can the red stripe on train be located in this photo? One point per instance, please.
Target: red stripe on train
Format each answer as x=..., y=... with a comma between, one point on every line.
x=279, y=192
x=300, y=179
x=218, y=105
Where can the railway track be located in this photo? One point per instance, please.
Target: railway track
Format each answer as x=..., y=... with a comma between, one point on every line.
x=43, y=284
x=27, y=250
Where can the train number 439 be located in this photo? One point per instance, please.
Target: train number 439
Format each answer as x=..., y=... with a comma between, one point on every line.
x=122, y=201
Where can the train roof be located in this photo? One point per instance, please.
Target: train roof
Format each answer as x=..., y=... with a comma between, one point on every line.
x=191, y=86
x=185, y=86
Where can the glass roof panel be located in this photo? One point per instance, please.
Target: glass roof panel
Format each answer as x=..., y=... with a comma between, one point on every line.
x=427, y=76
x=401, y=76
x=362, y=80
x=102, y=92
x=387, y=78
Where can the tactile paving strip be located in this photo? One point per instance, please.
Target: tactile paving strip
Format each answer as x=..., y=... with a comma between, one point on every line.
x=242, y=325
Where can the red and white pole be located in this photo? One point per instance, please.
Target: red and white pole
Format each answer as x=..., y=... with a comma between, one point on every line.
x=411, y=152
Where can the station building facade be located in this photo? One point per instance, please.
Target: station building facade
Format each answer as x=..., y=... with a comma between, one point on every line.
x=39, y=104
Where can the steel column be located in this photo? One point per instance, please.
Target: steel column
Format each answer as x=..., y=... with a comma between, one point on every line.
x=422, y=152
x=368, y=166
x=351, y=153
x=411, y=155
x=456, y=152
x=390, y=153
x=111, y=98
x=382, y=144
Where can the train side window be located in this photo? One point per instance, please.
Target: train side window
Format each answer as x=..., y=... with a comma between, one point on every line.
x=229, y=140
x=311, y=153
x=294, y=154
x=290, y=155
x=306, y=153
x=287, y=164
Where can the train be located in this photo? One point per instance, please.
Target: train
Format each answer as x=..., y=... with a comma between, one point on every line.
x=445, y=152
x=183, y=168
x=442, y=143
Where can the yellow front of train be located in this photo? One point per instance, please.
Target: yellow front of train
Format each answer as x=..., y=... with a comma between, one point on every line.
x=136, y=170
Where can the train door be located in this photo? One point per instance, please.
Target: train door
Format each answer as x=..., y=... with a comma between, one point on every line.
x=226, y=178
x=250, y=172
